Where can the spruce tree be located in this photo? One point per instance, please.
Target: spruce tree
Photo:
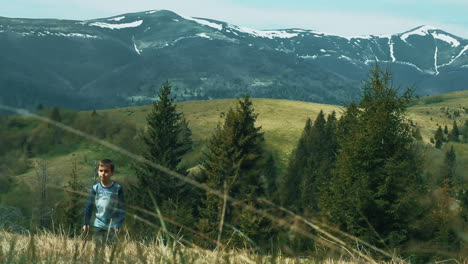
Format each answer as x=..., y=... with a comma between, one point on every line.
x=310, y=165
x=448, y=171
x=289, y=191
x=314, y=167
x=165, y=141
x=455, y=133
x=439, y=137
x=234, y=163
x=377, y=171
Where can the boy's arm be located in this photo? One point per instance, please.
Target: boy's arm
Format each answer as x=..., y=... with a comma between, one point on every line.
x=121, y=209
x=88, y=209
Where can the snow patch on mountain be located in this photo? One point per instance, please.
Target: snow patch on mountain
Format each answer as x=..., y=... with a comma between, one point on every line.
x=204, y=22
x=116, y=18
x=347, y=58
x=271, y=34
x=410, y=64
x=136, y=49
x=152, y=11
x=309, y=57
x=455, y=43
x=349, y=38
x=421, y=31
x=57, y=34
x=455, y=57
x=117, y=26
x=435, y=61
x=461, y=53
x=392, y=53
x=204, y=35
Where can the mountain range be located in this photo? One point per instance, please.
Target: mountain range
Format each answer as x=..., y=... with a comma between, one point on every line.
x=123, y=60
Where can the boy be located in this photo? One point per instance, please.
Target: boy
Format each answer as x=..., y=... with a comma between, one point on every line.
x=108, y=198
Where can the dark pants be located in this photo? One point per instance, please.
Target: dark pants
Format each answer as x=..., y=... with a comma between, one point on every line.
x=105, y=236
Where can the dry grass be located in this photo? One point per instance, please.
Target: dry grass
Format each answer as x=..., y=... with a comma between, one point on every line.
x=49, y=248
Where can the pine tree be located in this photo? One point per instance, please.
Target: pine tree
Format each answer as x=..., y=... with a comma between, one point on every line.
x=439, y=137
x=314, y=168
x=448, y=171
x=376, y=169
x=165, y=141
x=233, y=164
x=289, y=191
x=455, y=133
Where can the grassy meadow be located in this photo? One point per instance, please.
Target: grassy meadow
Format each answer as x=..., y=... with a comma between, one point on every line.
x=282, y=122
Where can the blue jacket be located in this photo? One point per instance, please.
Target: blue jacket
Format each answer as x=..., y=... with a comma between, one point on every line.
x=109, y=204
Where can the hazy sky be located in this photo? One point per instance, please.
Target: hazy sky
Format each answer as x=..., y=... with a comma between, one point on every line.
x=341, y=17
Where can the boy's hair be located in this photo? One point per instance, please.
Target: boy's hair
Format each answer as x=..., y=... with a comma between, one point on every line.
x=107, y=162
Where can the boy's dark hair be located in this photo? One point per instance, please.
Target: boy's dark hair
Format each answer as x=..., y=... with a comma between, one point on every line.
x=107, y=162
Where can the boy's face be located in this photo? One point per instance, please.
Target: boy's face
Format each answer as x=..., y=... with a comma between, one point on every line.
x=105, y=173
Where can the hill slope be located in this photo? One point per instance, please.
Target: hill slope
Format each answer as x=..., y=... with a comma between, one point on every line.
x=282, y=121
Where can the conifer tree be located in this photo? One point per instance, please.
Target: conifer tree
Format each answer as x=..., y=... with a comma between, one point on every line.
x=439, y=137
x=310, y=165
x=234, y=163
x=377, y=170
x=455, y=133
x=289, y=191
x=449, y=168
x=314, y=167
x=166, y=139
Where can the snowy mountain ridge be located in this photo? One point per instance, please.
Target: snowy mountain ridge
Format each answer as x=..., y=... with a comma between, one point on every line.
x=124, y=55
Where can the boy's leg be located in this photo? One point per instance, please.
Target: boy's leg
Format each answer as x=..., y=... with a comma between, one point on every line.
x=105, y=236
x=100, y=236
x=110, y=236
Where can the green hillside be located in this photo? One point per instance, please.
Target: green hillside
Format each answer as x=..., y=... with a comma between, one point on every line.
x=282, y=122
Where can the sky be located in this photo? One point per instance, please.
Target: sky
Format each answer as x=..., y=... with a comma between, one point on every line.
x=337, y=17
